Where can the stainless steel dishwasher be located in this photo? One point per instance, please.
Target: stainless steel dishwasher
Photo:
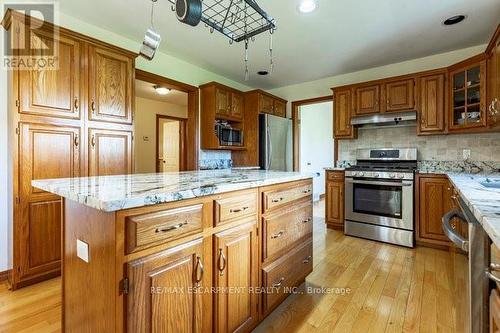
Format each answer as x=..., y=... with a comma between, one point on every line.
x=470, y=256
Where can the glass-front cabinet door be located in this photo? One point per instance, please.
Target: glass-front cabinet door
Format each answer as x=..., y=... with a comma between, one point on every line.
x=468, y=97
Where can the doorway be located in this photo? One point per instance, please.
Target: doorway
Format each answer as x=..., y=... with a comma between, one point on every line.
x=170, y=145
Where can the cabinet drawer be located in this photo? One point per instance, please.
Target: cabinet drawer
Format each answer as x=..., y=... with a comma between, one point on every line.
x=335, y=175
x=273, y=199
x=234, y=206
x=284, y=228
x=151, y=229
x=283, y=274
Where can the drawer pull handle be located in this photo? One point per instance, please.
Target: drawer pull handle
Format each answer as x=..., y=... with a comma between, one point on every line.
x=277, y=200
x=172, y=228
x=238, y=210
x=306, y=191
x=222, y=262
x=278, y=284
x=492, y=277
x=307, y=260
x=199, y=271
x=307, y=221
x=277, y=235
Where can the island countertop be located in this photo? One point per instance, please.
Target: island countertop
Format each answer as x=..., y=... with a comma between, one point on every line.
x=113, y=193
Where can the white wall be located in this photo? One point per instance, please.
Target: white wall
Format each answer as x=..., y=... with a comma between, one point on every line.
x=145, y=126
x=316, y=142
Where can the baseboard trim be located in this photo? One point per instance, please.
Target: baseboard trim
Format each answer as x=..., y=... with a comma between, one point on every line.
x=4, y=275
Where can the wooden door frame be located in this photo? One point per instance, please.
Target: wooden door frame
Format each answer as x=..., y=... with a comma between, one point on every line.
x=182, y=140
x=296, y=128
x=191, y=133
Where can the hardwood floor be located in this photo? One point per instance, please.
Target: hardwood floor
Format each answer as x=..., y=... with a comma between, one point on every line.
x=380, y=288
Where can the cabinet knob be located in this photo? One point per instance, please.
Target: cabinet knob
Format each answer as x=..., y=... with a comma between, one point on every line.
x=199, y=271
x=76, y=140
x=92, y=141
x=77, y=105
x=92, y=106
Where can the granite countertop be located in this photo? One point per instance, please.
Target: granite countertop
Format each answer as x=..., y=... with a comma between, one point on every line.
x=483, y=202
x=113, y=193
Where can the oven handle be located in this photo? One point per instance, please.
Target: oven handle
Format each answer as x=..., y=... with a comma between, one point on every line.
x=458, y=240
x=383, y=183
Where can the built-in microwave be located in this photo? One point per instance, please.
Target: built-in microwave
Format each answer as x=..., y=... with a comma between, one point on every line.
x=227, y=135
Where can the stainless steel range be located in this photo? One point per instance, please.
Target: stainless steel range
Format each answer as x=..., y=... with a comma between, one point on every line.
x=379, y=195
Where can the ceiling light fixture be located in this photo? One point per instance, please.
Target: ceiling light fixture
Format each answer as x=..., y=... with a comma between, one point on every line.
x=307, y=6
x=161, y=90
x=454, y=19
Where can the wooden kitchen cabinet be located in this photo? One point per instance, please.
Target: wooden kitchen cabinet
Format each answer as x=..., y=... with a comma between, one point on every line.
x=45, y=151
x=222, y=102
x=279, y=108
x=111, y=80
x=433, y=200
x=342, y=101
x=236, y=268
x=162, y=290
x=493, y=89
x=367, y=100
x=399, y=95
x=334, y=199
x=52, y=92
x=494, y=311
x=110, y=152
x=266, y=104
x=237, y=105
x=431, y=96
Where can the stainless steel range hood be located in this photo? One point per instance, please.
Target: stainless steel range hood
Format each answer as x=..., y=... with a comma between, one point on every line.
x=407, y=118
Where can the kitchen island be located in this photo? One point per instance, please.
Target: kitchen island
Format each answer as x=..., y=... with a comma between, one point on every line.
x=203, y=251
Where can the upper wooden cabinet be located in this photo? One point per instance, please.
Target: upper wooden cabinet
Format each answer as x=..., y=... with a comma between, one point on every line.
x=237, y=105
x=264, y=102
x=279, y=108
x=399, y=95
x=493, y=91
x=342, y=101
x=111, y=79
x=367, y=100
x=468, y=95
x=222, y=102
x=48, y=91
x=110, y=152
x=431, y=96
x=163, y=293
x=236, y=266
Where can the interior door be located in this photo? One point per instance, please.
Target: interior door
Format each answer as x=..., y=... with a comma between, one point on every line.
x=110, y=85
x=170, y=147
x=400, y=95
x=236, y=267
x=431, y=90
x=45, y=151
x=53, y=92
x=162, y=295
x=110, y=152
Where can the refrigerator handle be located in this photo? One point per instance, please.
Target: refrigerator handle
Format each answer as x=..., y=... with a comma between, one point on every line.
x=268, y=148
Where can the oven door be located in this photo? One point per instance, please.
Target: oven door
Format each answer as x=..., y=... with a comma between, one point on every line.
x=382, y=202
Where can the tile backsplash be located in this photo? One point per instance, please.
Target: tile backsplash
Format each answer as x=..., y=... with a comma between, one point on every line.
x=215, y=159
x=483, y=147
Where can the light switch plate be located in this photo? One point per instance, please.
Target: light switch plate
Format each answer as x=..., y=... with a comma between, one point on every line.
x=82, y=250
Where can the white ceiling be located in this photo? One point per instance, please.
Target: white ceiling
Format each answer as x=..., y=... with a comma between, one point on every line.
x=146, y=90
x=340, y=37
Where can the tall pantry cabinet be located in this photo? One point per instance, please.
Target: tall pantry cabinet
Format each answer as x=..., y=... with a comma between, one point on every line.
x=74, y=120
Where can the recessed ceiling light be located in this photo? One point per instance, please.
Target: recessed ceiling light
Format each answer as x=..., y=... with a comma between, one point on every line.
x=161, y=90
x=454, y=19
x=307, y=6
x=263, y=73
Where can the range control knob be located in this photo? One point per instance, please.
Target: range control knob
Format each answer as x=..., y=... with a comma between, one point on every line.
x=401, y=176
x=392, y=175
x=376, y=175
x=354, y=174
x=361, y=174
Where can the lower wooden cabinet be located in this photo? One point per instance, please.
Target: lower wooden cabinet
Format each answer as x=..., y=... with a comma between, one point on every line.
x=236, y=278
x=110, y=152
x=163, y=290
x=334, y=199
x=434, y=199
x=494, y=311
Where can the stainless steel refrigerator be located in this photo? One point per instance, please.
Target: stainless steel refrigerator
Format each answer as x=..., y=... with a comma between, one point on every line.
x=275, y=143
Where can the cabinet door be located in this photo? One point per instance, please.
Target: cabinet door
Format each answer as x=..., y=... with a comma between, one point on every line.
x=110, y=152
x=236, y=266
x=237, y=105
x=434, y=201
x=52, y=92
x=431, y=99
x=335, y=203
x=111, y=76
x=266, y=104
x=342, y=115
x=494, y=87
x=222, y=102
x=400, y=95
x=367, y=100
x=279, y=108
x=45, y=151
x=163, y=289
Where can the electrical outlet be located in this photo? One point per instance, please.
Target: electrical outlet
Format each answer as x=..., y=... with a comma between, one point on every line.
x=82, y=250
x=466, y=154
